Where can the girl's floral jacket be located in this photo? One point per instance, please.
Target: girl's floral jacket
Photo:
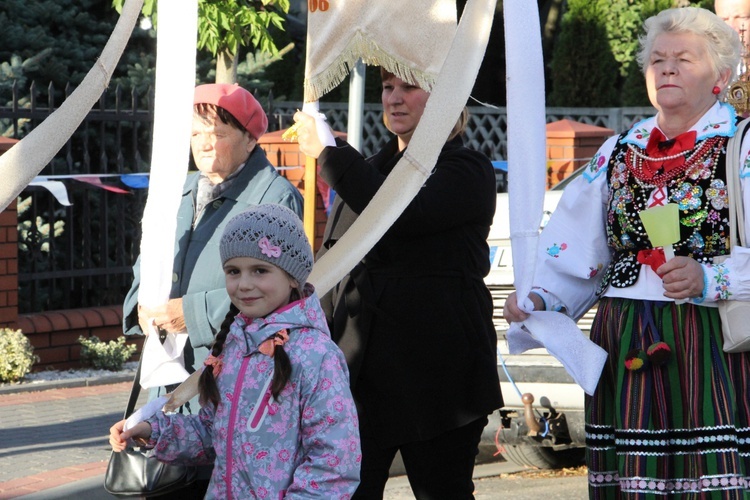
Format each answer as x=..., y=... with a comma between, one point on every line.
x=303, y=445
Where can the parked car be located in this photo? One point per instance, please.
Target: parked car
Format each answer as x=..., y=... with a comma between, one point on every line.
x=542, y=422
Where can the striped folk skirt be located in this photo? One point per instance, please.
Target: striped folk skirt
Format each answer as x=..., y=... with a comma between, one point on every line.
x=667, y=423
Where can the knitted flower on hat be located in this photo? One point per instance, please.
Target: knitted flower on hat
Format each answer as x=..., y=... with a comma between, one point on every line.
x=271, y=233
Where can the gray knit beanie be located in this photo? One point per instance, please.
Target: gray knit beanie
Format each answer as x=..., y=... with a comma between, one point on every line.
x=271, y=233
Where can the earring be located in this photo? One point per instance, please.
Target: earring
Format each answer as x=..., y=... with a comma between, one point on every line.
x=716, y=90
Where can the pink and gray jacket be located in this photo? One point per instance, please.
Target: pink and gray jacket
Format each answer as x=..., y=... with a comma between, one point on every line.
x=305, y=444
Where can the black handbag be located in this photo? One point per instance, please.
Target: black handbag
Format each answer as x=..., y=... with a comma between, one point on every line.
x=134, y=472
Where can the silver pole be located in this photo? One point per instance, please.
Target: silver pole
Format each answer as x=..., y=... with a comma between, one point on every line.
x=356, y=105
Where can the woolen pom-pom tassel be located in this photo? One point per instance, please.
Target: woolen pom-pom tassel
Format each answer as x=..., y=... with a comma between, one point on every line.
x=659, y=353
x=635, y=360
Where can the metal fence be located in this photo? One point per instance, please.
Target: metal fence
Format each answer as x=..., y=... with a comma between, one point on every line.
x=485, y=132
x=81, y=255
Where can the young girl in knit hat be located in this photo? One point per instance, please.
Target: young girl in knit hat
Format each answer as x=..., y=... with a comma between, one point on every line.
x=277, y=418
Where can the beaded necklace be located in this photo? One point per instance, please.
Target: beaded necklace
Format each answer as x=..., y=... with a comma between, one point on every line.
x=661, y=158
x=705, y=150
x=705, y=159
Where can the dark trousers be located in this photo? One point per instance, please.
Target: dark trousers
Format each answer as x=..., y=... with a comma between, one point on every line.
x=440, y=468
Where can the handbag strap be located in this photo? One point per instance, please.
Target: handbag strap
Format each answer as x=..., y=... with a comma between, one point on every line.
x=734, y=192
x=135, y=390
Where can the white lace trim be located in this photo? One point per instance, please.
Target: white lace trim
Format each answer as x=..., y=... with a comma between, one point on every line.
x=667, y=486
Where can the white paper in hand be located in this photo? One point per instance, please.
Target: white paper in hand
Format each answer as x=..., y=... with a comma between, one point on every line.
x=163, y=364
x=325, y=135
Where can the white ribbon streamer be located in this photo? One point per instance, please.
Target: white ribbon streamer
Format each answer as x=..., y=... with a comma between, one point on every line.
x=562, y=338
x=21, y=163
x=582, y=359
x=443, y=108
x=173, y=118
x=57, y=188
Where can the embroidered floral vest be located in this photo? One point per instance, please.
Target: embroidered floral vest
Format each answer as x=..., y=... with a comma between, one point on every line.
x=700, y=192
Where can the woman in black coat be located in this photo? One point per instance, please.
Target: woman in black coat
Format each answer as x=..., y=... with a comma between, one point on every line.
x=414, y=317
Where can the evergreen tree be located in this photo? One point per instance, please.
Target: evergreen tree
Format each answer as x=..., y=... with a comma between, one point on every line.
x=624, y=25
x=580, y=57
x=69, y=33
x=584, y=70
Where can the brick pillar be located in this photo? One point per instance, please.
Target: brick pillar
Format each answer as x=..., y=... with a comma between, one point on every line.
x=571, y=144
x=290, y=162
x=8, y=257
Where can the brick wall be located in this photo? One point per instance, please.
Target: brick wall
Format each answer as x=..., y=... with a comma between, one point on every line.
x=8, y=266
x=570, y=145
x=55, y=334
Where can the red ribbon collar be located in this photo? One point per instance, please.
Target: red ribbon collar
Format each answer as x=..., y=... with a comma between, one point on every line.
x=659, y=147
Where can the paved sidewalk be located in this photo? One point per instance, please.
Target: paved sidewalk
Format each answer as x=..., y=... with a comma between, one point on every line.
x=52, y=437
x=54, y=444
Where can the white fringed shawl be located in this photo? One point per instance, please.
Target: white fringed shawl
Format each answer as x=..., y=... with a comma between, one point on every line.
x=408, y=38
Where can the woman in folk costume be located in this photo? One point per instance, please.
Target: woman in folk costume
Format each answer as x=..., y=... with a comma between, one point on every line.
x=671, y=413
x=414, y=317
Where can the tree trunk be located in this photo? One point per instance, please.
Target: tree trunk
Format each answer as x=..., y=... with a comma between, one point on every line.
x=226, y=66
x=550, y=12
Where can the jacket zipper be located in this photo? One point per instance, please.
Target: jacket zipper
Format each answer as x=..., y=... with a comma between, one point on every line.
x=232, y=420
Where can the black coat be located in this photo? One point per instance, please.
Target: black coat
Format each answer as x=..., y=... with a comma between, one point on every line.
x=414, y=318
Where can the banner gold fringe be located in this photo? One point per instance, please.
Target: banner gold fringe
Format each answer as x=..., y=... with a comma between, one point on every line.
x=362, y=47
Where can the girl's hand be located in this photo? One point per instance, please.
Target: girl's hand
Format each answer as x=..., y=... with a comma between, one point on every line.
x=682, y=278
x=118, y=438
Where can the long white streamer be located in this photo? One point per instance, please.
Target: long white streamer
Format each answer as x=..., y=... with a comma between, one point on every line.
x=582, y=359
x=21, y=163
x=443, y=108
x=173, y=118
